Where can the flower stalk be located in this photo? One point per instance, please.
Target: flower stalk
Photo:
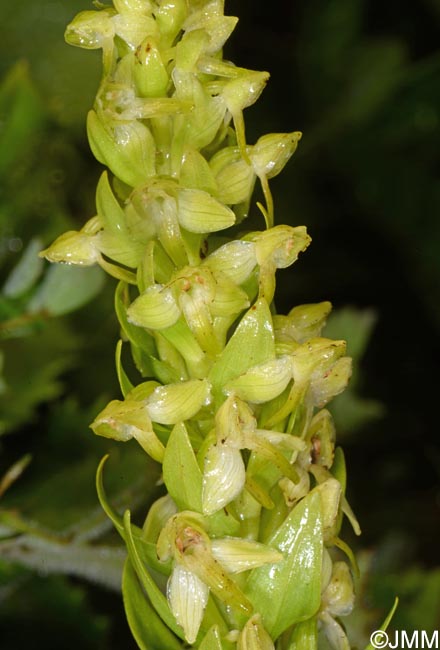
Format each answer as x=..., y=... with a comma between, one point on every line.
x=230, y=396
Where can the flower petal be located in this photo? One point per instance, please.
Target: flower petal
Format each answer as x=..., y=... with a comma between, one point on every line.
x=223, y=479
x=178, y=402
x=237, y=555
x=155, y=309
x=263, y=382
x=187, y=597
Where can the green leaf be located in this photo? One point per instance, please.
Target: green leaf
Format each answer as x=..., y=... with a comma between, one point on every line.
x=290, y=591
x=212, y=640
x=353, y=325
x=114, y=518
x=181, y=472
x=154, y=593
x=252, y=343
x=124, y=382
x=115, y=240
x=196, y=172
x=26, y=272
x=146, y=550
x=184, y=341
x=66, y=288
x=33, y=368
x=108, y=207
x=146, y=626
x=22, y=114
x=386, y=622
x=339, y=469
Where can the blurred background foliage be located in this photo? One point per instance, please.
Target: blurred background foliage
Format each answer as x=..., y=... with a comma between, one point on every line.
x=361, y=79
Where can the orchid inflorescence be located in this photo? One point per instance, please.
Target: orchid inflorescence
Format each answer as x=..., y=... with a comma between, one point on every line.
x=243, y=551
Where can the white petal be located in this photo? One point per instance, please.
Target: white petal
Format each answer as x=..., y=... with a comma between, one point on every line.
x=223, y=478
x=334, y=632
x=187, y=597
x=237, y=555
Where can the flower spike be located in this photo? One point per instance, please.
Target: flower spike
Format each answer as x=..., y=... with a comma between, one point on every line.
x=229, y=394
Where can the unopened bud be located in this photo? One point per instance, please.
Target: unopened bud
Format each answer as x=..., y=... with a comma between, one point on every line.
x=280, y=245
x=90, y=30
x=302, y=322
x=272, y=151
x=73, y=247
x=150, y=73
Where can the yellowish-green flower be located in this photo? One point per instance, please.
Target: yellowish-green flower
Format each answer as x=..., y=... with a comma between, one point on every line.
x=229, y=394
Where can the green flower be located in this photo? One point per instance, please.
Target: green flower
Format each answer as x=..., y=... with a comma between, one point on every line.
x=201, y=565
x=229, y=394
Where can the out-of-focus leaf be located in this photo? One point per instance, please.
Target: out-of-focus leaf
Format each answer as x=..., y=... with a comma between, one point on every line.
x=376, y=73
x=26, y=272
x=354, y=326
x=66, y=288
x=63, y=499
x=351, y=410
x=21, y=115
x=43, y=385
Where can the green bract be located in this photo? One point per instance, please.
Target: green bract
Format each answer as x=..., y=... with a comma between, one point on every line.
x=229, y=393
